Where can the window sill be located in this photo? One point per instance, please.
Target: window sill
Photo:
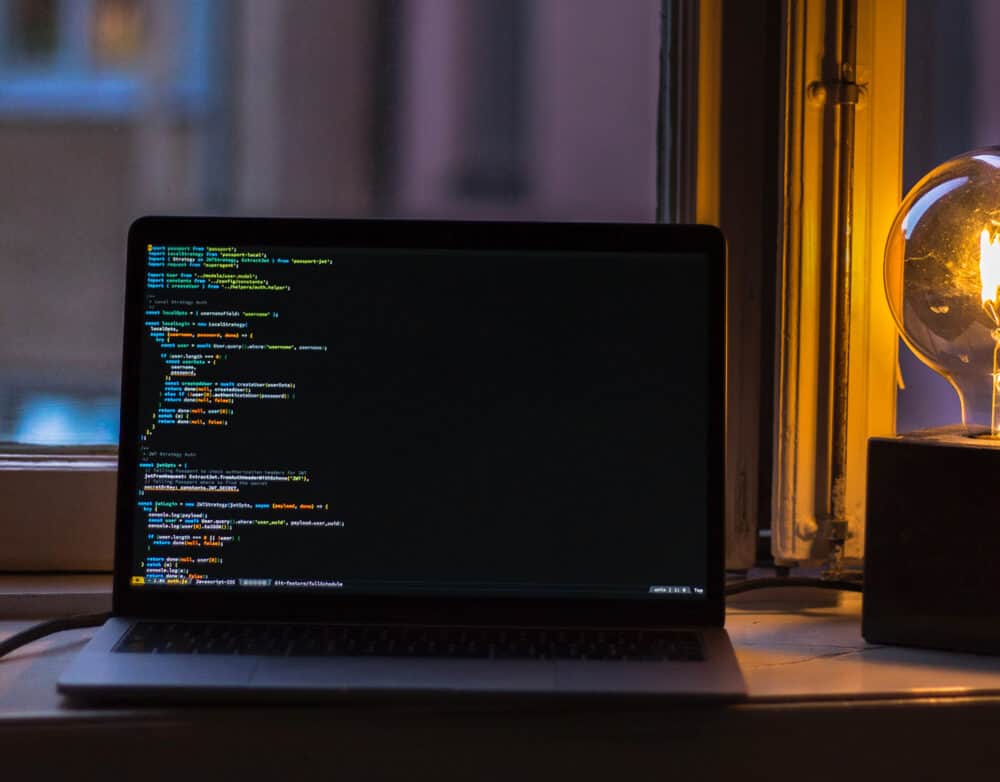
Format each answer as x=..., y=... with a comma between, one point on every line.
x=59, y=510
x=47, y=596
x=809, y=673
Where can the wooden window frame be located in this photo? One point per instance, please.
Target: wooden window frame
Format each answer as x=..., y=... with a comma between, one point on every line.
x=806, y=490
x=765, y=170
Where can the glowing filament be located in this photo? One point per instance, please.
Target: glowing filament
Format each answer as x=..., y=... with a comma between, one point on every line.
x=989, y=275
x=989, y=270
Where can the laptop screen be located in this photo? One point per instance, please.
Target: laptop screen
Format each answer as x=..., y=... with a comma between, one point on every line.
x=403, y=422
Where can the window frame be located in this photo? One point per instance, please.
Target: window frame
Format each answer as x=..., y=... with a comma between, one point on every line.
x=781, y=277
x=74, y=528
x=58, y=509
x=736, y=50
x=804, y=486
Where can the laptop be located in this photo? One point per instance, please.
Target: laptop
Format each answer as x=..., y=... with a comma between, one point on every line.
x=402, y=457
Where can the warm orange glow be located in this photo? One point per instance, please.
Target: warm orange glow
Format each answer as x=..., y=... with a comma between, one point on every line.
x=989, y=275
x=989, y=271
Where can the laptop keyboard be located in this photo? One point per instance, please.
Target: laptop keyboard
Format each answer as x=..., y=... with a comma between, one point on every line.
x=399, y=641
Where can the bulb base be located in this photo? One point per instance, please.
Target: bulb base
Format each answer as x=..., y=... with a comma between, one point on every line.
x=957, y=434
x=931, y=540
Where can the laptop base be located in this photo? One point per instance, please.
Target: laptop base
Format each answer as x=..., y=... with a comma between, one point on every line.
x=98, y=673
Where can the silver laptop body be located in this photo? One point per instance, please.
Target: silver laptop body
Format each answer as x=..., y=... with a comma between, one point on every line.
x=491, y=431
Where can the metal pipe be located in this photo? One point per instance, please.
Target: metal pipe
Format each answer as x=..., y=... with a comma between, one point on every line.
x=845, y=97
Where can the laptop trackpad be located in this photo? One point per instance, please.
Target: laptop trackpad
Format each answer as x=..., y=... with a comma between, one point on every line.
x=374, y=673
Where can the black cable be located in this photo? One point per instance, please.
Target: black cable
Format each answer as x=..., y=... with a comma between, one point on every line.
x=42, y=629
x=746, y=585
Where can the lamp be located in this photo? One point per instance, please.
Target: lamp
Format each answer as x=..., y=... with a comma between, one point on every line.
x=942, y=279
x=930, y=535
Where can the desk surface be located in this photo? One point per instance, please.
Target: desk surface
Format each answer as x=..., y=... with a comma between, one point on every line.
x=815, y=687
x=793, y=646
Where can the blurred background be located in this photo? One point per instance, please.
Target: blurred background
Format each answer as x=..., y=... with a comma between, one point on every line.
x=501, y=109
x=111, y=109
x=952, y=84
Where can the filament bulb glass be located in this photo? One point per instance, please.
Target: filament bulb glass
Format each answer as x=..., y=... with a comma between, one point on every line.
x=942, y=279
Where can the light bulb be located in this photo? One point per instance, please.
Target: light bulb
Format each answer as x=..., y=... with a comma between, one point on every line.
x=942, y=279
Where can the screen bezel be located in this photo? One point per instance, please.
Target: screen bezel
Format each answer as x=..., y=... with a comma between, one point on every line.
x=424, y=235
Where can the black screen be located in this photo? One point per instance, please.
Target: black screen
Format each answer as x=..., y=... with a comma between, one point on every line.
x=401, y=422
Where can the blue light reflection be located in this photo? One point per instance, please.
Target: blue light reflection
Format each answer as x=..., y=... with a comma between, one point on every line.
x=55, y=419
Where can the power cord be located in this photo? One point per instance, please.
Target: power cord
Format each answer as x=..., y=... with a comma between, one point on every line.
x=42, y=629
x=845, y=585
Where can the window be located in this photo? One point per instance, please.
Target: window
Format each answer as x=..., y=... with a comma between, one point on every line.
x=835, y=368
x=88, y=59
x=951, y=72
x=499, y=109
x=110, y=109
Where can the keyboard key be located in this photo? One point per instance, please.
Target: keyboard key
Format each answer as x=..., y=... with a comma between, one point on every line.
x=401, y=641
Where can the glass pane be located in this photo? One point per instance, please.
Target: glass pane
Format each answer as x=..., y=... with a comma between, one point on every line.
x=952, y=70
x=32, y=28
x=349, y=108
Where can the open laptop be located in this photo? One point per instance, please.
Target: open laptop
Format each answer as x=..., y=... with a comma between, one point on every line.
x=386, y=457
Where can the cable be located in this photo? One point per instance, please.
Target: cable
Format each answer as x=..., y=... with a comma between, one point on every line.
x=42, y=629
x=791, y=581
